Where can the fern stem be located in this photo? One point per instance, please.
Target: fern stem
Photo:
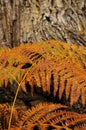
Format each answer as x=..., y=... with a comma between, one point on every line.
x=19, y=85
x=13, y=106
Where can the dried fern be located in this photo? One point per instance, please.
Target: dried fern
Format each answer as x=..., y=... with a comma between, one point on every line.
x=43, y=116
x=47, y=64
x=5, y=111
x=41, y=127
x=48, y=115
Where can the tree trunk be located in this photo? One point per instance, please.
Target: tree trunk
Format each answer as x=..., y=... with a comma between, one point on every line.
x=23, y=21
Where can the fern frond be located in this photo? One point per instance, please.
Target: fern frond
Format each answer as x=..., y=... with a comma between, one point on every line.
x=5, y=111
x=42, y=116
x=51, y=115
x=48, y=64
x=41, y=127
x=63, y=75
x=82, y=126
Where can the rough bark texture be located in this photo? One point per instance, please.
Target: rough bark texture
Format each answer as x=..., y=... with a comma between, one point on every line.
x=23, y=21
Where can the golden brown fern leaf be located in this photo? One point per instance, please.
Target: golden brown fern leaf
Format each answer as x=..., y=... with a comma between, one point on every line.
x=11, y=63
x=41, y=127
x=19, y=115
x=54, y=53
x=43, y=116
x=60, y=75
x=80, y=127
x=5, y=111
x=47, y=64
x=61, y=64
x=15, y=62
x=49, y=115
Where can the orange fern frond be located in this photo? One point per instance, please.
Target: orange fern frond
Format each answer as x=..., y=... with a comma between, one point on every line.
x=49, y=115
x=5, y=111
x=48, y=64
x=41, y=127
x=63, y=76
x=43, y=116
x=82, y=126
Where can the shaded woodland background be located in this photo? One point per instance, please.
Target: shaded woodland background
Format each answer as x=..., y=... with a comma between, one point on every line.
x=23, y=21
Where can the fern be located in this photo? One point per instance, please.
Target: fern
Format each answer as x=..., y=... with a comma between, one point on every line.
x=49, y=115
x=65, y=78
x=43, y=116
x=5, y=111
x=80, y=127
x=47, y=64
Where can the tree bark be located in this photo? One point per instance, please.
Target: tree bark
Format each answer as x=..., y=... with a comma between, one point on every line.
x=23, y=21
